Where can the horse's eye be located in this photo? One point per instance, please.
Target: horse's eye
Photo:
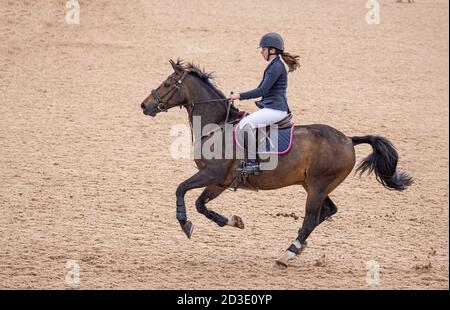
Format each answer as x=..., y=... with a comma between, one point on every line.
x=166, y=84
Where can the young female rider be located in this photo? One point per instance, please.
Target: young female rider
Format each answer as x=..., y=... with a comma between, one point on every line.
x=273, y=105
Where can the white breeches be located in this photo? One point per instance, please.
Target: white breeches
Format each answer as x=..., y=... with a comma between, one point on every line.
x=262, y=118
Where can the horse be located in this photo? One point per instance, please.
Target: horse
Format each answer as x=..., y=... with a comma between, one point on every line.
x=320, y=157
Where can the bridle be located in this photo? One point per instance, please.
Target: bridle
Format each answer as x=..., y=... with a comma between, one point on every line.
x=162, y=106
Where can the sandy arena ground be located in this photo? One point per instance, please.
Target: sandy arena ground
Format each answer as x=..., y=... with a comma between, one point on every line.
x=85, y=176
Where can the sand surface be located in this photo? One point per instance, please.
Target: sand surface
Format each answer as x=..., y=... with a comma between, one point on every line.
x=85, y=176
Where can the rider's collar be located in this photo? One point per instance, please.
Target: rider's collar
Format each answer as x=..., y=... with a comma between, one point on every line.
x=268, y=62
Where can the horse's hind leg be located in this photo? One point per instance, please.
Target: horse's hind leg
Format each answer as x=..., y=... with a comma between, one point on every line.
x=312, y=220
x=328, y=209
x=318, y=207
x=208, y=194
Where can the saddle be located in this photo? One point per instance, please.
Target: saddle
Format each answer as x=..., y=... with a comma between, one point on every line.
x=285, y=122
x=274, y=140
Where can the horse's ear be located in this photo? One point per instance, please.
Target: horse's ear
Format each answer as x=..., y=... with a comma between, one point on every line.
x=174, y=65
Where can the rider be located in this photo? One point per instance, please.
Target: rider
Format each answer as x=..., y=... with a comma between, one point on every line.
x=273, y=105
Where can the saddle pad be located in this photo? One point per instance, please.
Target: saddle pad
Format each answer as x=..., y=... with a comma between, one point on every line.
x=274, y=141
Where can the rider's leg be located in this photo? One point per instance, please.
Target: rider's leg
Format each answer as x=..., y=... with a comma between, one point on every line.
x=257, y=119
x=262, y=118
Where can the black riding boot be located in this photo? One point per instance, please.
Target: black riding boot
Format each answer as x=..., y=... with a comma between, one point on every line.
x=251, y=165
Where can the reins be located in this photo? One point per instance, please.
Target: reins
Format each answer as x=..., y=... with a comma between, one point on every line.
x=162, y=106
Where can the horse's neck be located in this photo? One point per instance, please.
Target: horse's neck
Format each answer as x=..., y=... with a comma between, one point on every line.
x=214, y=112
x=235, y=114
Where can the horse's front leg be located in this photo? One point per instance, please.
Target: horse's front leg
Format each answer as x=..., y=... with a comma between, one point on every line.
x=200, y=179
x=209, y=193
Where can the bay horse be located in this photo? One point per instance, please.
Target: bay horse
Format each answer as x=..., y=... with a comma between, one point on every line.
x=320, y=158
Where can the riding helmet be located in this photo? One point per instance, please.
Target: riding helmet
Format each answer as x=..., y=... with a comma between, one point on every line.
x=272, y=39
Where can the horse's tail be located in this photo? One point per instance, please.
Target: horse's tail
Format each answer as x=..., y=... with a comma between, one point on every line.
x=383, y=161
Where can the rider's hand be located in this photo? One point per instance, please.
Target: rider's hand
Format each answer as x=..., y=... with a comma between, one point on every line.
x=235, y=97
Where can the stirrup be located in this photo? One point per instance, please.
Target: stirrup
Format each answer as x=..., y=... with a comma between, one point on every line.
x=250, y=167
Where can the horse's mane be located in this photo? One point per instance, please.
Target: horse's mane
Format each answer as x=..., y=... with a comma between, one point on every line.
x=206, y=77
x=190, y=66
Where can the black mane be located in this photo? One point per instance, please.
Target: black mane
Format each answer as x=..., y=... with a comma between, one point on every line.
x=206, y=77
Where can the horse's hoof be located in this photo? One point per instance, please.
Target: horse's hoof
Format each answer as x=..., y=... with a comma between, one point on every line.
x=187, y=228
x=238, y=222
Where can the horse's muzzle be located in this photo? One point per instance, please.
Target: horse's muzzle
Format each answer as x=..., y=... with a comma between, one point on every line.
x=148, y=110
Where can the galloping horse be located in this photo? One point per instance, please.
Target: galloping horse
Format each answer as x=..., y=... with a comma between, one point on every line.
x=320, y=158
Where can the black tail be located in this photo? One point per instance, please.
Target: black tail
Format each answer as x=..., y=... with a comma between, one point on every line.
x=383, y=161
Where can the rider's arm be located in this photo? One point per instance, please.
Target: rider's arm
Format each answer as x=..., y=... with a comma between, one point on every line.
x=270, y=78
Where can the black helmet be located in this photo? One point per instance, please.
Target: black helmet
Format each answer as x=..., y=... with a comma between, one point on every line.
x=272, y=39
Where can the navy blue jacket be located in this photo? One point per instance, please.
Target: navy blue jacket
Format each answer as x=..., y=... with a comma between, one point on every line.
x=272, y=88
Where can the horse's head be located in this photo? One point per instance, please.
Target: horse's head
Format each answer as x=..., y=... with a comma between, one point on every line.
x=168, y=95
